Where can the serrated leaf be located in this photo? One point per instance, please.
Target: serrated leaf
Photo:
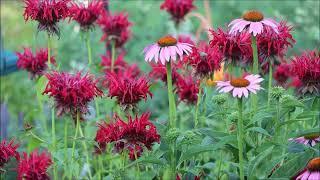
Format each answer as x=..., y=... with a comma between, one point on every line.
x=257, y=160
x=259, y=130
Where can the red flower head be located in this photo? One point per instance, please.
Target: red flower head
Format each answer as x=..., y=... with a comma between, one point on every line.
x=134, y=136
x=34, y=166
x=34, y=64
x=119, y=63
x=115, y=28
x=7, y=151
x=86, y=16
x=205, y=60
x=127, y=90
x=159, y=72
x=72, y=93
x=177, y=8
x=307, y=68
x=272, y=44
x=131, y=71
x=282, y=73
x=188, y=89
x=47, y=12
x=236, y=48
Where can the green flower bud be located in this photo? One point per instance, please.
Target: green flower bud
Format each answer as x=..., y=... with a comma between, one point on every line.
x=220, y=99
x=277, y=92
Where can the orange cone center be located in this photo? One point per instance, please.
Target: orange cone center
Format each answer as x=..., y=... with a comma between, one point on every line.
x=239, y=82
x=167, y=41
x=253, y=16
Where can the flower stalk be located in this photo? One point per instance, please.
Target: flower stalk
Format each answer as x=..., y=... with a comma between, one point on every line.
x=270, y=83
x=113, y=54
x=196, y=118
x=89, y=48
x=53, y=132
x=240, y=138
x=255, y=69
x=49, y=49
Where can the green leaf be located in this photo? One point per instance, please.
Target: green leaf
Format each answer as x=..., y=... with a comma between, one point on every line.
x=259, y=130
x=308, y=132
x=257, y=160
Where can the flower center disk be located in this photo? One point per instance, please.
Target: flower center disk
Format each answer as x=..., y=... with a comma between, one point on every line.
x=314, y=164
x=167, y=41
x=253, y=16
x=239, y=82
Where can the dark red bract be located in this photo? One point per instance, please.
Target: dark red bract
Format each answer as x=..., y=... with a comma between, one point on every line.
x=307, y=68
x=72, y=93
x=134, y=135
x=115, y=28
x=7, y=151
x=205, y=60
x=86, y=16
x=36, y=64
x=34, y=166
x=188, y=89
x=47, y=12
x=128, y=90
x=282, y=74
x=177, y=8
x=236, y=48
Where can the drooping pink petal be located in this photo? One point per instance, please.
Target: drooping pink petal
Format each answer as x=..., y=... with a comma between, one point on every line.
x=255, y=28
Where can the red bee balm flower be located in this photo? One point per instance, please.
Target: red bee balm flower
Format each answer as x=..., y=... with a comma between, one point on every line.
x=72, y=93
x=205, y=61
x=115, y=28
x=159, y=72
x=34, y=64
x=7, y=151
x=86, y=16
x=47, y=12
x=236, y=48
x=282, y=73
x=307, y=68
x=188, y=89
x=177, y=8
x=127, y=90
x=135, y=135
x=34, y=166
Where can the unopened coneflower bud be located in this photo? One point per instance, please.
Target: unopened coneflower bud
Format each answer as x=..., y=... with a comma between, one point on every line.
x=172, y=134
x=277, y=92
x=220, y=99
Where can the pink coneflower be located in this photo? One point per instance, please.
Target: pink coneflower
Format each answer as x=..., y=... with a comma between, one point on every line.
x=254, y=22
x=119, y=63
x=47, y=12
x=241, y=86
x=36, y=64
x=177, y=8
x=166, y=49
x=310, y=140
x=34, y=166
x=307, y=68
x=7, y=151
x=127, y=90
x=205, y=60
x=159, y=72
x=310, y=172
x=86, y=16
x=188, y=89
x=282, y=74
x=115, y=28
x=236, y=48
x=71, y=93
x=134, y=135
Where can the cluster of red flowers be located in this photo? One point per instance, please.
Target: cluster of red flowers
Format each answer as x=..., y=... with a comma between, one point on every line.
x=134, y=136
x=159, y=72
x=282, y=74
x=115, y=28
x=7, y=151
x=34, y=64
x=72, y=93
x=177, y=8
x=188, y=89
x=86, y=16
x=128, y=90
x=34, y=166
x=47, y=12
x=307, y=69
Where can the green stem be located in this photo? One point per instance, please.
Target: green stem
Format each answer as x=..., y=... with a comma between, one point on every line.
x=49, y=53
x=270, y=83
x=97, y=108
x=84, y=144
x=138, y=168
x=277, y=122
x=240, y=139
x=53, y=131
x=255, y=69
x=113, y=54
x=172, y=104
x=219, y=168
x=196, y=119
x=36, y=137
x=89, y=48
x=74, y=141
x=65, y=140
